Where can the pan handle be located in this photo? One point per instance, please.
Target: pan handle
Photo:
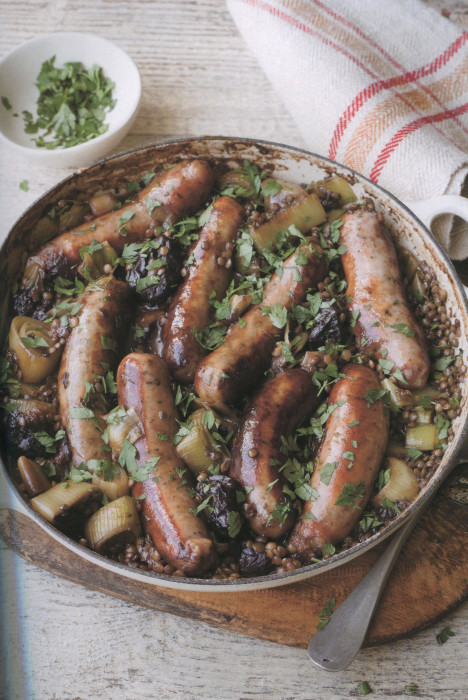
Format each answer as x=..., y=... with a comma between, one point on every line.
x=428, y=209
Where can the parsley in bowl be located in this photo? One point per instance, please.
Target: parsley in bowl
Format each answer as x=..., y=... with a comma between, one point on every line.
x=67, y=99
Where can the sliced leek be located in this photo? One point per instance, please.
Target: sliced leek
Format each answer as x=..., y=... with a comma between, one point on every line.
x=123, y=425
x=114, y=489
x=424, y=437
x=401, y=486
x=340, y=186
x=396, y=449
x=410, y=262
x=304, y=214
x=29, y=339
x=32, y=476
x=198, y=447
x=98, y=263
x=61, y=498
x=72, y=217
x=424, y=415
x=417, y=288
x=238, y=181
x=102, y=203
x=427, y=393
x=399, y=397
x=115, y=525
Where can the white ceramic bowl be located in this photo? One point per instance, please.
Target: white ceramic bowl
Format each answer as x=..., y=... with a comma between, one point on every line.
x=18, y=73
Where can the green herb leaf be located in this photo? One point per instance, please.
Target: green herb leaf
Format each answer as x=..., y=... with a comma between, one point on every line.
x=402, y=328
x=34, y=342
x=6, y=103
x=270, y=188
x=152, y=204
x=351, y=494
x=234, y=524
x=109, y=343
x=327, y=471
x=278, y=314
x=328, y=549
x=364, y=688
x=326, y=613
x=24, y=185
x=444, y=634
x=81, y=412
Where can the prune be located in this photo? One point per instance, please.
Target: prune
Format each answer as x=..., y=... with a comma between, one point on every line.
x=63, y=458
x=20, y=438
x=253, y=563
x=326, y=327
x=164, y=249
x=22, y=304
x=222, y=491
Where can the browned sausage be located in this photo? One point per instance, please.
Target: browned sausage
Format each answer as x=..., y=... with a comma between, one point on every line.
x=210, y=272
x=275, y=411
x=89, y=345
x=238, y=364
x=348, y=461
x=378, y=300
x=181, y=537
x=182, y=190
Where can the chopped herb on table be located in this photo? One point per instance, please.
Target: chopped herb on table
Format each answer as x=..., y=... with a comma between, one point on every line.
x=326, y=613
x=72, y=105
x=444, y=634
x=364, y=688
x=24, y=185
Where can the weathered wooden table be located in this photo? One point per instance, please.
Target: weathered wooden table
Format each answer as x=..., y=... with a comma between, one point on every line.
x=61, y=641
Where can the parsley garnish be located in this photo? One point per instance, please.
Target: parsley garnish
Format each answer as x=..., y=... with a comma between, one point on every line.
x=364, y=688
x=277, y=313
x=351, y=494
x=72, y=104
x=443, y=635
x=326, y=613
x=402, y=328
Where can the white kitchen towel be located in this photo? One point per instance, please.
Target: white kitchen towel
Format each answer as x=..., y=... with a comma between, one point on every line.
x=379, y=85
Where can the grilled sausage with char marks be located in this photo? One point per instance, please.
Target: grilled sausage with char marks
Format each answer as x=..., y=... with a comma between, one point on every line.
x=181, y=537
x=347, y=463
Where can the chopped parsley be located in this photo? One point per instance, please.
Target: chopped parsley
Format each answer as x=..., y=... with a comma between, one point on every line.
x=326, y=613
x=72, y=105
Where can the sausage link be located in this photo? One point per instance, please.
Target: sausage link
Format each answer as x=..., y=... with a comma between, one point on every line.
x=347, y=463
x=101, y=319
x=234, y=368
x=191, y=307
x=181, y=190
x=275, y=411
x=182, y=539
x=374, y=284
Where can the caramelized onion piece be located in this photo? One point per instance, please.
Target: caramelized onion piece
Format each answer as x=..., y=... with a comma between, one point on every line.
x=401, y=486
x=98, y=263
x=32, y=476
x=198, y=449
x=304, y=214
x=102, y=203
x=113, y=526
x=36, y=356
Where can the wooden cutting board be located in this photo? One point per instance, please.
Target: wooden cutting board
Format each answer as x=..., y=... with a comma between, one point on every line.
x=429, y=579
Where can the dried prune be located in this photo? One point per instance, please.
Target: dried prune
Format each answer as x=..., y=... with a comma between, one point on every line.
x=156, y=270
x=20, y=429
x=253, y=563
x=222, y=504
x=326, y=327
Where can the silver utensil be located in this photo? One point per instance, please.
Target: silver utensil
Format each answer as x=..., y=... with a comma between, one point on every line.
x=334, y=647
